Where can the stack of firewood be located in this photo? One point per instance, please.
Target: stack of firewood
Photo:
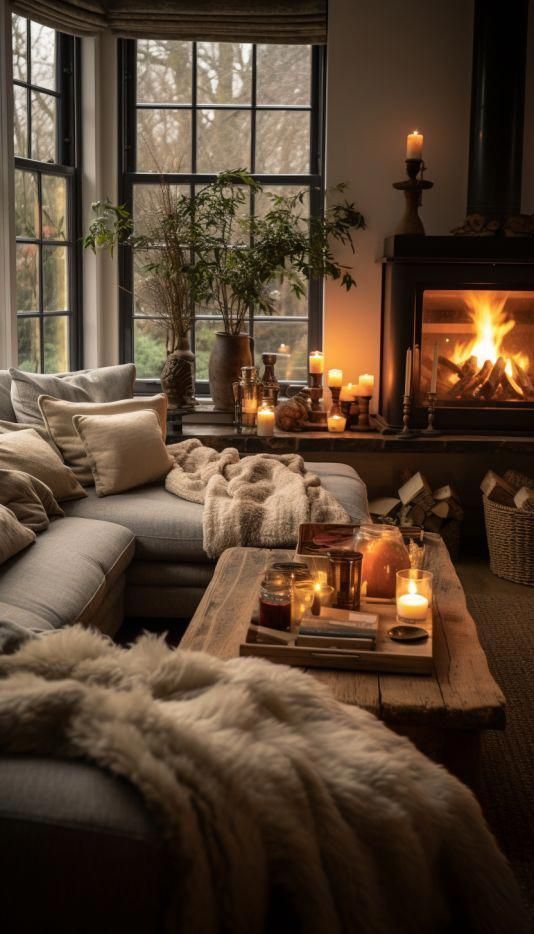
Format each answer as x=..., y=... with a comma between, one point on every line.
x=418, y=505
x=470, y=382
x=512, y=489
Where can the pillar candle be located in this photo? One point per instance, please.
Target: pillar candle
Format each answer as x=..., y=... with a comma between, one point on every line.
x=366, y=384
x=347, y=393
x=316, y=362
x=265, y=421
x=412, y=606
x=335, y=378
x=414, y=145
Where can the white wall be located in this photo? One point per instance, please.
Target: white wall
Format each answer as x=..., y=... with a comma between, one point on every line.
x=393, y=65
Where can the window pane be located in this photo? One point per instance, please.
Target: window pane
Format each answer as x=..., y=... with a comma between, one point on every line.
x=286, y=302
x=163, y=140
x=164, y=71
x=289, y=341
x=147, y=204
x=54, y=193
x=43, y=56
x=29, y=349
x=43, y=127
x=204, y=340
x=283, y=142
x=20, y=121
x=143, y=300
x=27, y=280
x=284, y=74
x=149, y=348
x=55, y=278
x=20, y=47
x=56, y=344
x=26, y=204
x=223, y=140
x=224, y=73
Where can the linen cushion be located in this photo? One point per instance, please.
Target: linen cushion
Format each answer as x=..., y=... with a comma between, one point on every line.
x=105, y=384
x=26, y=451
x=58, y=415
x=13, y=535
x=124, y=451
x=67, y=574
x=6, y=409
x=30, y=499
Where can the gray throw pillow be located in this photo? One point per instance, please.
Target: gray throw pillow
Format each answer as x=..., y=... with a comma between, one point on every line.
x=29, y=499
x=13, y=535
x=105, y=384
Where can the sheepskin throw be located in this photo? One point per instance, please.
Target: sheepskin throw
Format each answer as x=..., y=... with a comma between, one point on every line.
x=258, y=501
x=269, y=792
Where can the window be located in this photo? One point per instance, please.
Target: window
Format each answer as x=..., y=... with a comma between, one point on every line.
x=190, y=110
x=46, y=187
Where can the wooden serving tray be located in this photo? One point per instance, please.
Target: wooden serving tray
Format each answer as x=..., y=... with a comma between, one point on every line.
x=389, y=656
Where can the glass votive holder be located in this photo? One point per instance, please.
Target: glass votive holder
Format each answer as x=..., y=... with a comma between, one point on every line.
x=322, y=596
x=414, y=595
x=303, y=595
x=345, y=577
x=275, y=601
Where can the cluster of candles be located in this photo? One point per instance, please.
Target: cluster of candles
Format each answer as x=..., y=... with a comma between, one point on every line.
x=265, y=418
x=334, y=380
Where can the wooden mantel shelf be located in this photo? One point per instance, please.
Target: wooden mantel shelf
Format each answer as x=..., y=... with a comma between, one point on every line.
x=285, y=442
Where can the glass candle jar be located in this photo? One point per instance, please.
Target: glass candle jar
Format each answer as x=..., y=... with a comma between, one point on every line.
x=275, y=601
x=384, y=553
x=414, y=595
x=344, y=575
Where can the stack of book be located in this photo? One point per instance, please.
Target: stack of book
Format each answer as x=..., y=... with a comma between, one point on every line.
x=340, y=629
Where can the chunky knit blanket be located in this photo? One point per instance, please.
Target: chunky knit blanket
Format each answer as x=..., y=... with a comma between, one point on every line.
x=258, y=500
x=269, y=792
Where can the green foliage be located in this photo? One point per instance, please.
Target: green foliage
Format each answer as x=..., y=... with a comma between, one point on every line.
x=112, y=225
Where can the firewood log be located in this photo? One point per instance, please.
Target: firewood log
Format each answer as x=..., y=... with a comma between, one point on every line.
x=523, y=380
x=433, y=523
x=497, y=489
x=490, y=386
x=480, y=378
x=470, y=366
x=524, y=499
x=425, y=500
x=416, y=514
x=449, y=365
x=415, y=485
x=468, y=381
x=446, y=492
x=516, y=479
x=510, y=390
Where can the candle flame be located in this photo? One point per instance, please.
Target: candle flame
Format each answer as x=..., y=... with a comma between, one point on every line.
x=317, y=587
x=412, y=587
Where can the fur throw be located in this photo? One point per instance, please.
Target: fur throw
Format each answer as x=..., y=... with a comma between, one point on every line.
x=258, y=501
x=268, y=790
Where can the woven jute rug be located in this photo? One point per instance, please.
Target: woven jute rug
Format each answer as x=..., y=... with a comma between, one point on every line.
x=506, y=630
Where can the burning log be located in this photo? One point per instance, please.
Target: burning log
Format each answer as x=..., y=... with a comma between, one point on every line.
x=469, y=366
x=480, y=378
x=493, y=381
x=523, y=380
x=450, y=365
x=469, y=371
x=510, y=392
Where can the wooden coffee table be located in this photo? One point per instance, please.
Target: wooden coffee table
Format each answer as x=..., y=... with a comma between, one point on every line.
x=443, y=713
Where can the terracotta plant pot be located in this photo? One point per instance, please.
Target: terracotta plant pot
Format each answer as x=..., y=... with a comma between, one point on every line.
x=178, y=378
x=230, y=352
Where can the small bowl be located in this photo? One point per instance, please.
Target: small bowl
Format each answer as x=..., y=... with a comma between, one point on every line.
x=407, y=633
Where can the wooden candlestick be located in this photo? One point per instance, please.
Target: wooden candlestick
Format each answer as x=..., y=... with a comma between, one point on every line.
x=363, y=414
x=413, y=188
x=406, y=432
x=431, y=409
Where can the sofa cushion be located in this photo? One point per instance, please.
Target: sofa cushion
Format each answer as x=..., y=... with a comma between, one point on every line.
x=105, y=384
x=168, y=528
x=7, y=412
x=67, y=573
x=14, y=536
x=58, y=414
x=26, y=450
x=30, y=499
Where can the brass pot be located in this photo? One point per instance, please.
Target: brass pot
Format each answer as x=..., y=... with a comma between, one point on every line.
x=230, y=353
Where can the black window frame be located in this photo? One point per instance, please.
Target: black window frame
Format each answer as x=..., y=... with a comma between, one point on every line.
x=67, y=166
x=129, y=176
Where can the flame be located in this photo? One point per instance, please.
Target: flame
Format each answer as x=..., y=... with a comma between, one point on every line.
x=492, y=325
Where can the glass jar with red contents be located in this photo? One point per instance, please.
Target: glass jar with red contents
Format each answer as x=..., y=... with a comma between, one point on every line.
x=275, y=600
x=384, y=553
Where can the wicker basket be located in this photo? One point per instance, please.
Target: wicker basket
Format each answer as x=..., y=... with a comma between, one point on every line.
x=510, y=534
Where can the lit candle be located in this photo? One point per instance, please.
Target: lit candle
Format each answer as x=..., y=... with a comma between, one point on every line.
x=316, y=603
x=316, y=362
x=434, y=377
x=336, y=423
x=366, y=384
x=283, y=348
x=412, y=606
x=250, y=406
x=347, y=393
x=265, y=421
x=414, y=145
x=335, y=378
x=408, y=376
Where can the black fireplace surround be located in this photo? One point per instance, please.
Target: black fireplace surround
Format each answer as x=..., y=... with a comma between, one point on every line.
x=413, y=266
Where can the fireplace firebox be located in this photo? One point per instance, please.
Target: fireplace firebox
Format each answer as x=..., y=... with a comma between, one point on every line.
x=471, y=302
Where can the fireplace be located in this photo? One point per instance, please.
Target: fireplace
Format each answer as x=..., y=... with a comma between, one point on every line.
x=470, y=299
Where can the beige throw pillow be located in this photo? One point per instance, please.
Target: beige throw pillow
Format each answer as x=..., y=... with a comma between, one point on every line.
x=124, y=451
x=13, y=536
x=30, y=499
x=105, y=384
x=58, y=417
x=26, y=451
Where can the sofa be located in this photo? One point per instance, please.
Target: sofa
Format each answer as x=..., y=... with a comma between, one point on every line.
x=80, y=840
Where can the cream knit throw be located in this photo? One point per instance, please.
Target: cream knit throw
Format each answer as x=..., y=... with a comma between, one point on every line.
x=265, y=787
x=258, y=501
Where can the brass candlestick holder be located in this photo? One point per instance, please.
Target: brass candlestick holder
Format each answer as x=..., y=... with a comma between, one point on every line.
x=270, y=384
x=317, y=410
x=413, y=188
x=431, y=411
x=406, y=432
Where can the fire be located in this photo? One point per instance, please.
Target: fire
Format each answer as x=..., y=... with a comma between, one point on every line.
x=492, y=325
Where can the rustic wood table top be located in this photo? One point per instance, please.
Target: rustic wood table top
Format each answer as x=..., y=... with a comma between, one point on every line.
x=461, y=694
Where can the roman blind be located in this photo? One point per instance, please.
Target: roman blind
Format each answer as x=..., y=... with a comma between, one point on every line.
x=261, y=21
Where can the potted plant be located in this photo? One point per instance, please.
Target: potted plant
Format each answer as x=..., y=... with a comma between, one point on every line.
x=166, y=278
x=238, y=257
